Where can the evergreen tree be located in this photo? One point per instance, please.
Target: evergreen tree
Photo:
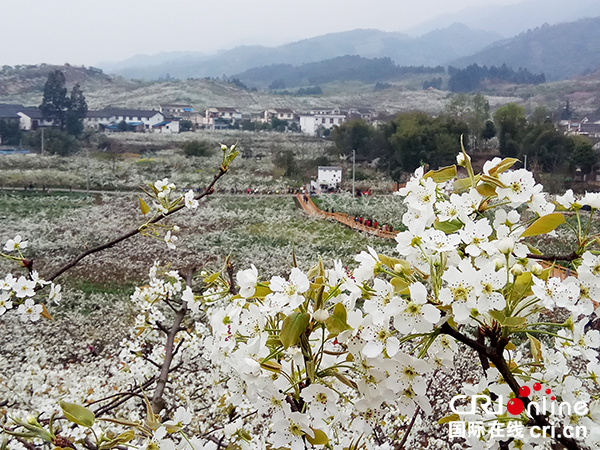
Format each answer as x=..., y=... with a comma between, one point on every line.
x=56, y=103
x=68, y=111
x=77, y=111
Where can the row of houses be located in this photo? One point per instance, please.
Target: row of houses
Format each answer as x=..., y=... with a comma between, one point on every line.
x=584, y=127
x=168, y=117
x=31, y=118
x=309, y=122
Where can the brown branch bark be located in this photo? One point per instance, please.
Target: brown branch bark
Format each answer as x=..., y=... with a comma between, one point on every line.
x=158, y=402
x=569, y=257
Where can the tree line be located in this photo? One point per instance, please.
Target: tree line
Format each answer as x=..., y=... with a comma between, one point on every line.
x=403, y=143
x=471, y=78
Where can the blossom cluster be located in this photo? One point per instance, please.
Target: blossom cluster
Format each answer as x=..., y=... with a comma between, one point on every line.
x=333, y=354
x=22, y=290
x=344, y=358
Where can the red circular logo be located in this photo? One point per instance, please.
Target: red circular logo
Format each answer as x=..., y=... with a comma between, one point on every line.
x=524, y=391
x=515, y=406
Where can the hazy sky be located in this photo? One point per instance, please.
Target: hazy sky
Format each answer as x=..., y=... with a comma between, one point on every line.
x=92, y=31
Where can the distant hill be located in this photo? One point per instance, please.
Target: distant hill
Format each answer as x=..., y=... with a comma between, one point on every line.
x=510, y=20
x=559, y=51
x=32, y=78
x=431, y=49
x=343, y=68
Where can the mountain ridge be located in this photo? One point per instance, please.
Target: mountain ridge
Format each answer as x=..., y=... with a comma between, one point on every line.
x=431, y=49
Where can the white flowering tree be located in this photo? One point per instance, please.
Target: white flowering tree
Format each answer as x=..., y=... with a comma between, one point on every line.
x=344, y=359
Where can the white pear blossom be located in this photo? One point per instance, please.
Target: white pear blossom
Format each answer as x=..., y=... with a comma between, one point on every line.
x=5, y=302
x=30, y=311
x=247, y=280
x=170, y=240
x=24, y=287
x=189, y=200
x=15, y=244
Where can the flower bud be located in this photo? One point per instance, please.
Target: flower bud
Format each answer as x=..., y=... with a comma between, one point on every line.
x=499, y=263
x=31, y=419
x=537, y=269
x=461, y=160
x=320, y=315
x=176, y=228
x=506, y=246
x=517, y=270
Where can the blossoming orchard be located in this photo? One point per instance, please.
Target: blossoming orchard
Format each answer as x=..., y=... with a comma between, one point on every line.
x=343, y=359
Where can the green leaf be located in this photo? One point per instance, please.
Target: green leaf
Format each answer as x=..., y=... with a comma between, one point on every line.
x=521, y=287
x=451, y=418
x=533, y=250
x=271, y=366
x=337, y=322
x=293, y=326
x=121, y=439
x=319, y=439
x=497, y=315
x=486, y=189
x=393, y=262
x=536, y=348
x=78, y=414
x=261, y=291
x=143, y=206
x=442, y=175
x=492, y=180
x=544, y=224
x=399, y=284
x=515, y=322
x=462, y=184
x=343, y=379
x=503, y=166
x=211, y=279
x=448, y=227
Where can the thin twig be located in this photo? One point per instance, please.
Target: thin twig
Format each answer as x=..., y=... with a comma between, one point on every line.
x=209, y=190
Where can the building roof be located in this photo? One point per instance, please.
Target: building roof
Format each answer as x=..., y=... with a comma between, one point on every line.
x=223, y=109
x=9, y=111
x=162, y=124
x=32, y=112
x=176, y=105
x=329, y=168
x=282, y=110
x=112, y=112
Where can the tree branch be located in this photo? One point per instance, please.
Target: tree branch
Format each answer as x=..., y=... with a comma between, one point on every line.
x=570, y=257
x=157, y=399
x=209, y=190
x=496, y=356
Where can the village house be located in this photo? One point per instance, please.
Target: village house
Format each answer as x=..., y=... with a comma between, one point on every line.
x=142, y=120
x=324, y=119
x=277, y=113
x=31, y=118
x=175, y=109
x=218, y=118
x=329, y=179
x=583, y=127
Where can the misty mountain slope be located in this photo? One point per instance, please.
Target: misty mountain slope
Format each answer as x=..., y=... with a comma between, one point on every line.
x=342, y=68
x=510, y=20
x=560, y=51
x=431, y=49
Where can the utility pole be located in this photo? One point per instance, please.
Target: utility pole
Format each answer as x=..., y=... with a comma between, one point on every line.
x=525, y=163
x=42, y=141
x=87, y=171
x=353, y=171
